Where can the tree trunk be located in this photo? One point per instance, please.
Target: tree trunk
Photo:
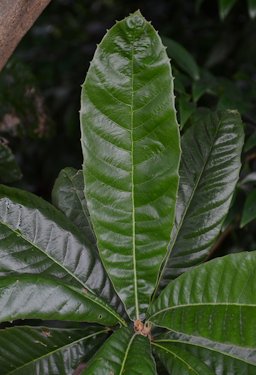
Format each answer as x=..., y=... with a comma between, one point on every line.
x=16, y=18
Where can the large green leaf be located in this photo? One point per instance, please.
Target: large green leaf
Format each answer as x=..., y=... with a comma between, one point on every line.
x=68, y=196
x=203, y=355
x=9, y=169
x=214, y=301
x=130, y=143
x=178, y=361
x=43, y=350
x=36, y=238
x=125, y=352
x=225, y=6
x=209, y=170
x=37, y=297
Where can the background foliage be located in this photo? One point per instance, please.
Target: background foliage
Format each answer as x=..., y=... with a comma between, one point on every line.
x=213, y=57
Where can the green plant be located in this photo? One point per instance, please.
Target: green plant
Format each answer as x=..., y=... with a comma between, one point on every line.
x=112, y=264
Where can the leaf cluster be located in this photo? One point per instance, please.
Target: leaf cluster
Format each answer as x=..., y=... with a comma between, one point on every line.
x=119, y=258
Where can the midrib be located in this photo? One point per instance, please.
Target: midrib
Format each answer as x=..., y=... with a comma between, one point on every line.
x=135, y=282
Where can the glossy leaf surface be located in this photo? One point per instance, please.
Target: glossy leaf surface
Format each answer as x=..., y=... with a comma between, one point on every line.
x=205, y=356
x=209, y=171
x=35, y=297
x=214, y=301
x=249, y=210
x=123, y=353
x=42, y=350
x=36, y=238
x=9, y=169
x=68, y=196
x=178, y=361
x=129, y=129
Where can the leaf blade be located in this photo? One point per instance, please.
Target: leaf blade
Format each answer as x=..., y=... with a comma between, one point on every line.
x=124, y=201
x=36, y=238
x=178, y=361
x=209, y=171
x=249, y=209
x=68, y=197
x=46, y=350
x=35, y=297
x=197, y=304
x=121, y=354
x=221, y=358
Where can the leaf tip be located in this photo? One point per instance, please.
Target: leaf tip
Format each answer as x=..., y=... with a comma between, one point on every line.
x=135, y=20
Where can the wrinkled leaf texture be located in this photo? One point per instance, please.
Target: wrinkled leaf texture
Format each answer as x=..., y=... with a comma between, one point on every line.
x=129, y=129
x=36, y=238
x=213, y=306
x=209, y=171
x=125, y=352
x=43, y=350
x=35, y=297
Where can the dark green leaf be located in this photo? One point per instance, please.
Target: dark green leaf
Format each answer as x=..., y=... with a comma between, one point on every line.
x=186, y=109
x=249, y=210
x=214, y=301
x=129, y=129
x=9, y=169
x=36, y=297
x=68, y=196
x=250, y=143
x=178, y=361
x=209, y=170
x=36, y=238
x=219, y=358
x=125, y=352
x=43, y=350
x=206, y=84
x=182, y=57
x=225, y=7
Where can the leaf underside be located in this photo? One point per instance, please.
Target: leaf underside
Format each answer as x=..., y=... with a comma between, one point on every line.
x=42, y=350
x=213, y=306
x=125, y=352
x=37, y=239
x=129, y=129
x=209, y=171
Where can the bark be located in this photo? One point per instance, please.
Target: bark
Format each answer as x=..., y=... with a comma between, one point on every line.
x=16, y=18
